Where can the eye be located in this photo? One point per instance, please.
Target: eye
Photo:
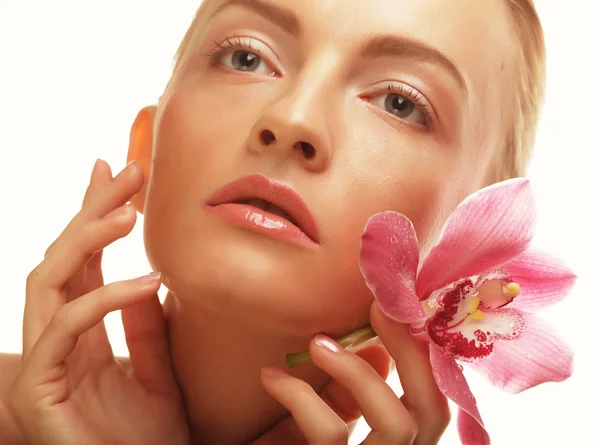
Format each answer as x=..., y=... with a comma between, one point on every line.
x=241, y=54
x=244, y=60
x=405, y=103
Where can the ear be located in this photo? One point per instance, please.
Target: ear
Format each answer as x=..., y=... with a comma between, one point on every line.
x=140, y=149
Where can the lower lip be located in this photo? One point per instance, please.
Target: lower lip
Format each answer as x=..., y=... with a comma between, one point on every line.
x=261, y=221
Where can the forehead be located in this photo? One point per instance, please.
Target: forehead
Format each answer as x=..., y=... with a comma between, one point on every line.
x=473, y=35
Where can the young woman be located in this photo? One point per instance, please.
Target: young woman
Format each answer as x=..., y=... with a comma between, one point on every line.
x=284, y=127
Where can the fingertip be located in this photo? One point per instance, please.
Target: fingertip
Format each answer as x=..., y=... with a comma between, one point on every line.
x=125, y=212
x=383, y=325
x=138, y=175
x=104, y=170
x=272, y=372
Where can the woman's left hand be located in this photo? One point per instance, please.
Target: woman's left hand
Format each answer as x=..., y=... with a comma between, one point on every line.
x=358, y=388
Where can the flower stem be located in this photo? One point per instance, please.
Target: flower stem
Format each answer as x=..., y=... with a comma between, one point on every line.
x=354, y=338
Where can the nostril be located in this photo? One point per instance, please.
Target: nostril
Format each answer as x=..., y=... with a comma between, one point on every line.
x=267, y=137
x=308, y=150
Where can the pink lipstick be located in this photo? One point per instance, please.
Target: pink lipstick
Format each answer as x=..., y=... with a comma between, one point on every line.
x=266, y=206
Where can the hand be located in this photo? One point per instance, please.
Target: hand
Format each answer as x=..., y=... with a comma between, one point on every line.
x=70, y=389
x=358, y=388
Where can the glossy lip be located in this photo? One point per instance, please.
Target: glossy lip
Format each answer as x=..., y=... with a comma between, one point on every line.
x=257, y=186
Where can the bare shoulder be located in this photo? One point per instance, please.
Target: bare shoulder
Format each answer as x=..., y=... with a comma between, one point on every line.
x=9, y=368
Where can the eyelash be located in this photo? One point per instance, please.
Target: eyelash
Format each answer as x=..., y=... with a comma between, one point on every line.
x=237, y=42
x=417, y=99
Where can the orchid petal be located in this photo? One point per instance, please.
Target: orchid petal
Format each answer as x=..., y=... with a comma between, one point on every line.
x=543, y=279
x=452, y=384
x=470, y=431
x=538, y=356
x=389, y=257
x=487, y=229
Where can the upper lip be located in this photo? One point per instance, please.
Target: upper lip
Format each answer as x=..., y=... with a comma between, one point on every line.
x=282, y=195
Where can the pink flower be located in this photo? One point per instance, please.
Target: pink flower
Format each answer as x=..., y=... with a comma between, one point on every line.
x=473, y=295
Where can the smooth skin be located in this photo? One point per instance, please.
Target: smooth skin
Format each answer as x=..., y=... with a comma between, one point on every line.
x=358, y=388
x=239, y=300
x=72, y=390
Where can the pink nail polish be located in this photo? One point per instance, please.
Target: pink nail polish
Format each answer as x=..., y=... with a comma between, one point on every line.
x=327, y=343
x=271, y=371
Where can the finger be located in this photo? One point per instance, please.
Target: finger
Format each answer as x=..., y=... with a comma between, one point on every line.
x=147, y=340
x=93, y=272
x=75, y=251
x=335, y=396
x=340, y=398
x=93, y=348
x=389, y=420
x=45, y=282
x=45, y=364
x=90, y=277
x=421, y=396
x=316, y=422
x=101, y=174
x=110, y=196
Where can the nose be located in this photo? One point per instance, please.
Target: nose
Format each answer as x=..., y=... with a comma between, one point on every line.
x=293, y=128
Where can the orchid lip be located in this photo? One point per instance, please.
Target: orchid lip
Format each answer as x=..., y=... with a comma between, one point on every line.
x=259, y=191
x=458, y=315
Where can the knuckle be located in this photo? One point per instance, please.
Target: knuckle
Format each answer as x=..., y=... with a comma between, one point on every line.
x=33, y=279
x=411, y=430
x=336, y=431
x=61, y=317
x=16, y=397
x=442, y=418
x=302, y=388
x=49, y=249
x=405, y=432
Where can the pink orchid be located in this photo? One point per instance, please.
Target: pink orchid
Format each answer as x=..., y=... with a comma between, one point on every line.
x=472, y=295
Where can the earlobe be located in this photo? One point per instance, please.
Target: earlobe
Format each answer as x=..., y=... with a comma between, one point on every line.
x=140, y=149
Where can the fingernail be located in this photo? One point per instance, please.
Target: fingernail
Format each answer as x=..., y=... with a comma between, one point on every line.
x=118, y=212
x=154, y=276
x=271, y=371
x=327, y=343
x=125, y=169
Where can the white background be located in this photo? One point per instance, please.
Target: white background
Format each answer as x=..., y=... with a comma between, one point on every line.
x=73, y=75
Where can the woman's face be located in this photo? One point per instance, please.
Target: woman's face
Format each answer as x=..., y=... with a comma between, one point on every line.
x=360, y=107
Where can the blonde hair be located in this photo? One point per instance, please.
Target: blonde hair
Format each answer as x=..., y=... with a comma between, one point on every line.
x=529, y=82
x=527, y=78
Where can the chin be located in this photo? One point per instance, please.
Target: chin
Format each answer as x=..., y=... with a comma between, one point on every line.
x=259, y=279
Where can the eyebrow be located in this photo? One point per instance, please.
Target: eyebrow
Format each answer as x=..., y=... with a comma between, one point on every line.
x=387, y=45
x=395, y=46
x=282, y=17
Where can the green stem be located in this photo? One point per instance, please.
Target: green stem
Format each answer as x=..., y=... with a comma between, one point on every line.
x=352, y=339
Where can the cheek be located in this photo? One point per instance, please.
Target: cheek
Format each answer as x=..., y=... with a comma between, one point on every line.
x=200, y=145
x=415, y=195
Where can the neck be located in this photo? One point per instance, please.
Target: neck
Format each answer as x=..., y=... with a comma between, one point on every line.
x=217, y=360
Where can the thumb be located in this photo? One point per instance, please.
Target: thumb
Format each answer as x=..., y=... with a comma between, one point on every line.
x=146, y=335
x=336, y=396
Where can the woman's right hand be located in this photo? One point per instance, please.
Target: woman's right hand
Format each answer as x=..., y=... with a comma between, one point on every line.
x=70, y=389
